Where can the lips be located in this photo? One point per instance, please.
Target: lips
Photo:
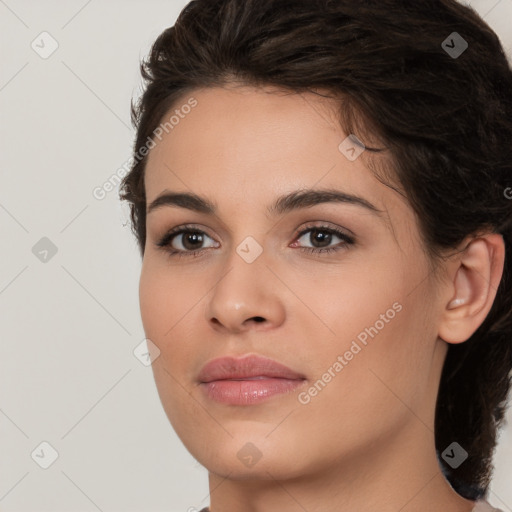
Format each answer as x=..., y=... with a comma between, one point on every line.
x=247, y=368
x=247, y=381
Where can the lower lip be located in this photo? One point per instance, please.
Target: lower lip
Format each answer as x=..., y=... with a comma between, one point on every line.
x=248, y=392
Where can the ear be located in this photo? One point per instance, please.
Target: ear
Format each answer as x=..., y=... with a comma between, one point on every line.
x=475, y=277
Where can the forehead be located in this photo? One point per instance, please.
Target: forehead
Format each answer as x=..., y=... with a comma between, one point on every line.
x=255, y=134
x=244, y=124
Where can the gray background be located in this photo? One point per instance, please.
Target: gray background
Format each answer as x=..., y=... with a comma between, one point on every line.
x=69, y=325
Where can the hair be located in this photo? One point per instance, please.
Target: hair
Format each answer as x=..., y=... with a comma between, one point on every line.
x=445, y=121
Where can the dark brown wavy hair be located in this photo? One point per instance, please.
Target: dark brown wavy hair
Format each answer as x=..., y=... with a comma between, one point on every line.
x=445, y=121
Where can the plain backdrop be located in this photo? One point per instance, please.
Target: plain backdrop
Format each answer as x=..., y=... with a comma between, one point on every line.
x=69, y=269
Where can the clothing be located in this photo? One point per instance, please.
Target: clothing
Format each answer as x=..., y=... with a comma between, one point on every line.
x=480, y=506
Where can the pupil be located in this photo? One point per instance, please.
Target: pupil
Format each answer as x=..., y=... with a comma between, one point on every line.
x=321, y=236
x=196, y=236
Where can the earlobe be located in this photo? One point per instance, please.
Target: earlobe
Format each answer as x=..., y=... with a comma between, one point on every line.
x=475, y=281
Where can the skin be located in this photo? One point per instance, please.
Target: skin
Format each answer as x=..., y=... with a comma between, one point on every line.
x=366, y=441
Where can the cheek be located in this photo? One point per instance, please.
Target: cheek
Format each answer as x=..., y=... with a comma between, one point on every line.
x=352, y=299
x=164, y=302
x=170, y=304
x=382, y=378
x=163, y=299
x=152, y=300
x=390, y=355
x=379, y=328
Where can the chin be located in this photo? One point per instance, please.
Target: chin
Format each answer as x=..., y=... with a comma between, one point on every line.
x=251, y=457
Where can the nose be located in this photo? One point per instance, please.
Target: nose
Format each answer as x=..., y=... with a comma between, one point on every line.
x=246, y=297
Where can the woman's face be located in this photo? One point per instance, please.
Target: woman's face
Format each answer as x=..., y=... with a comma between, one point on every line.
x=358, y=323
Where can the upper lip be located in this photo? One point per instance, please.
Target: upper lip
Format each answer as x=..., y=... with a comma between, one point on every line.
x=224, y=368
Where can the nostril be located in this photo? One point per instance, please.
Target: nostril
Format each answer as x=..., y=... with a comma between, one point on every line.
x=259, y=319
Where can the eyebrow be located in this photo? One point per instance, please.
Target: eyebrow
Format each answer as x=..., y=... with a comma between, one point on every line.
x=284, y=204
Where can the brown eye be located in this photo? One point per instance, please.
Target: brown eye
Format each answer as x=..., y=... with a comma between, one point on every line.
x=321, y=237
x=184, y=240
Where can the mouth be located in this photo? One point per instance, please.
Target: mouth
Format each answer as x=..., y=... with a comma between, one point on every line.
x=250, y=380
x=249, y=391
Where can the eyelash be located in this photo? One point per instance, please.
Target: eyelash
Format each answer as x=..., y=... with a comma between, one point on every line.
x=166, y=240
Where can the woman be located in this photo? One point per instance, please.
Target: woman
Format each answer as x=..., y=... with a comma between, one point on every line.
x=321, y=196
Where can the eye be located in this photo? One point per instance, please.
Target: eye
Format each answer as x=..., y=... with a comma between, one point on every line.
x=323, y=236
x=183, y=241
x=187, y=240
